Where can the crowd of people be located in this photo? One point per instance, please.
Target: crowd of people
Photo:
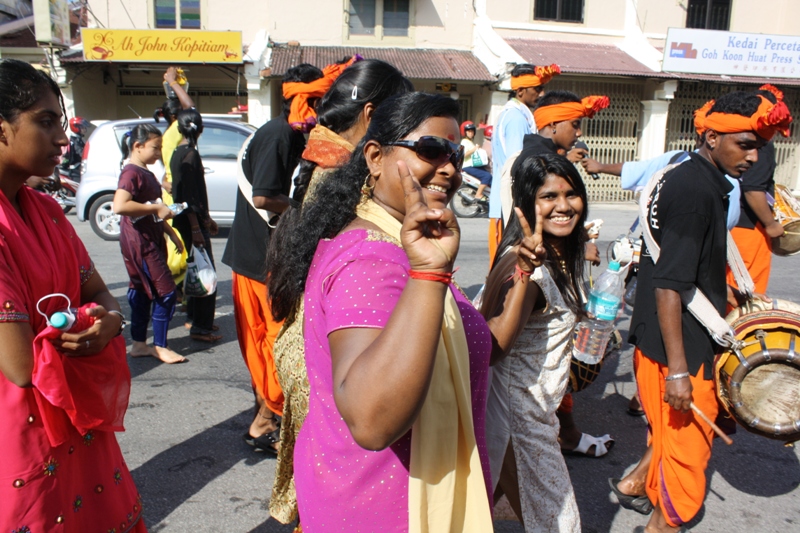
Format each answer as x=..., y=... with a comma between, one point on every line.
x=391, y=401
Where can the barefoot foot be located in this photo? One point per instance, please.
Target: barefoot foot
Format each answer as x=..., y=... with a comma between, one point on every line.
x=168, y=356
x=141, y=349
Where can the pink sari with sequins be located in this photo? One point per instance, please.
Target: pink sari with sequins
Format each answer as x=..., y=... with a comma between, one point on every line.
x=55, y=476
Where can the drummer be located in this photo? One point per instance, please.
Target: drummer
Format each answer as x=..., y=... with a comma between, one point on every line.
x=756, y=226
x=674, y=353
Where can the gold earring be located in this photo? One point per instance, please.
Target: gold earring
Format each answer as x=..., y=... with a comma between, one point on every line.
x=366, y=189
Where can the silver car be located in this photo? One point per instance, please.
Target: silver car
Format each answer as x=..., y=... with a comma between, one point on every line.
x=219, y=147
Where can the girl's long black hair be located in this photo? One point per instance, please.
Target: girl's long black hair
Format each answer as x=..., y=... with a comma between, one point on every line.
x=528, y=175
x=338, y=196
x=190, y=125
x=141, y=133
x=21, y=86
x=363, y=82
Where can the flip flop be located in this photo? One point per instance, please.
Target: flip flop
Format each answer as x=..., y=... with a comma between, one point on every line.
x=602, y=445
x=640, y=504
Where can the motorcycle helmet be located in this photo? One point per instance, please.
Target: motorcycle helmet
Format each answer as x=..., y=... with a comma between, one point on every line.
x=78, y=125
x=487, y=131
x=466, y=126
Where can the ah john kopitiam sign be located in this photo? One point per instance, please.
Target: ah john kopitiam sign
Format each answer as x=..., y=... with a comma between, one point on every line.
x=732, y=53
x=168, y=46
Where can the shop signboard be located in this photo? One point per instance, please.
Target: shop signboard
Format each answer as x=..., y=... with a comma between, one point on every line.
x=732, y=53
x=51, y=22
x=161, y=46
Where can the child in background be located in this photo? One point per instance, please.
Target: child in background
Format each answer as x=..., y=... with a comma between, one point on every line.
x=144, y=248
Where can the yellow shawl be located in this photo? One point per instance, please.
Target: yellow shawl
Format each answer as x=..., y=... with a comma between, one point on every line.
x=446, y=489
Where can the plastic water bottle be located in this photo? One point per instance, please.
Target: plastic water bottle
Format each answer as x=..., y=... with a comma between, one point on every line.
x=605, y=301
x=72, y=319
x=176, y=209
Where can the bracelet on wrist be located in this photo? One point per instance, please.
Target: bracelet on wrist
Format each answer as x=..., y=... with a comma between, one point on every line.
x=441, y=277
x=522, y=273
x=675, y=377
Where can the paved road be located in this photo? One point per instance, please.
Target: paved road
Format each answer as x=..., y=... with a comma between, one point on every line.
x=184, y=425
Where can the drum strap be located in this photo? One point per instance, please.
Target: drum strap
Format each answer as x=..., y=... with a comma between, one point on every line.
x=695, y=301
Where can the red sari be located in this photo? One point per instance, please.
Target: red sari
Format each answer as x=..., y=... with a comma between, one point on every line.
x=61, y=469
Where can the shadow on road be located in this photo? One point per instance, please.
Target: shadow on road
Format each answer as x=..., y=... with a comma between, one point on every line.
x=172, y=477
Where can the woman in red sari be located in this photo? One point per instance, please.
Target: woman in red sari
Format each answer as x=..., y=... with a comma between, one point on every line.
x=62, y=395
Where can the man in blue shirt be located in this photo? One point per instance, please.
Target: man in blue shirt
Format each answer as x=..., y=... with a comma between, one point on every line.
x=514, y=122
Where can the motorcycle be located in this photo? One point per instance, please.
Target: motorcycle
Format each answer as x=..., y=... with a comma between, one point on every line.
x=58, y=186
x=464, y=203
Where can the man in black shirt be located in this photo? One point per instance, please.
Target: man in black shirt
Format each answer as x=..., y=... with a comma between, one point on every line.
x=268, y=162
x=674, y=353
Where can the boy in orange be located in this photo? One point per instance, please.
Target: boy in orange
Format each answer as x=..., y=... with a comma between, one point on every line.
x=674, y=352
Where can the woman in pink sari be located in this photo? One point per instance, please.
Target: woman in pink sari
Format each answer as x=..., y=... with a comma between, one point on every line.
x=62, y=394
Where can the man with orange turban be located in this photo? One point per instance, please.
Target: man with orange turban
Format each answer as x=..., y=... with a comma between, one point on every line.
x=756, y=225
x=674, y=353
x=514, y=122
x=268, y=160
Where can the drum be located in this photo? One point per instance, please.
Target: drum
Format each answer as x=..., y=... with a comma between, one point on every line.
x=787, y=211
x=759, y=383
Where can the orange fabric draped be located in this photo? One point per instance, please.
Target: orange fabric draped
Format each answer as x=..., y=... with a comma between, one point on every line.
x=768, y=120
x=587, y=107
x=681, y=442
x=257, y=331
x=540, y=76
x=301, y=116
x=755, y=246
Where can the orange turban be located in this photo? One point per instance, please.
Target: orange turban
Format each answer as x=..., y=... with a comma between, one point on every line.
x=540, y=76
x=301, y=116
x=768, y=119
x=551, y=114
x=774, y=90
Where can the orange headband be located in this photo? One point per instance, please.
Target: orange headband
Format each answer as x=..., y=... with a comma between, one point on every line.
x=550, y=114
x=768, y=119
x=540, y=76
x=301, y=116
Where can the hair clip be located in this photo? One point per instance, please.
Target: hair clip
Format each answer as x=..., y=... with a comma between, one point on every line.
x=354, y=95
x=128, y=133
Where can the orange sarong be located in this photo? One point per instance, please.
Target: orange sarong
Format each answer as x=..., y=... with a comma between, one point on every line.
x=681, y=442
x=755, y=246
x=495, y=236
x=257, y=331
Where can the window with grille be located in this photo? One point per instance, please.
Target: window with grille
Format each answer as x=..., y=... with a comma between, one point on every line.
x=379, y=18
x=709, y=14
x=177, y=14
x=558, y=10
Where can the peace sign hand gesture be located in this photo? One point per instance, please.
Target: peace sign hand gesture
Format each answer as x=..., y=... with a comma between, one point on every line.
x=430, y=237
x=531, y=252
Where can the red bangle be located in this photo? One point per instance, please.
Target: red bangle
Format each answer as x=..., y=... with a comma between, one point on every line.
x=522, y=273
x=445, y=278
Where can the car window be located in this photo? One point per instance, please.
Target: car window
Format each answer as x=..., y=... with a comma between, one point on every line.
x=221, y=143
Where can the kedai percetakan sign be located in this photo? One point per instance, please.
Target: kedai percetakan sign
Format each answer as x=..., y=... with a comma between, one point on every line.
x=732, y=53
x=161, y=46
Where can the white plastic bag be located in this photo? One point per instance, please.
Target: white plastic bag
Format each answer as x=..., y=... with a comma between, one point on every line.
x=201, y=279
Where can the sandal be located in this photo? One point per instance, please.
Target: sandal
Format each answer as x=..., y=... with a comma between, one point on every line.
x=602, y=445
x=640, y=504
x=265, y=443
x=205, y=337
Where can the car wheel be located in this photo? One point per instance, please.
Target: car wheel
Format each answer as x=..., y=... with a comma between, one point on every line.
x=103, y=220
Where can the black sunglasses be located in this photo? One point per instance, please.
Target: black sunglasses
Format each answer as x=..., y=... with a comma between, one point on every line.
x=435, y=150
